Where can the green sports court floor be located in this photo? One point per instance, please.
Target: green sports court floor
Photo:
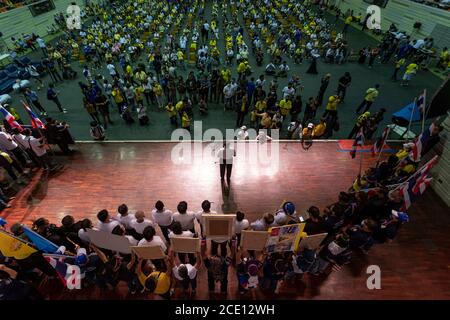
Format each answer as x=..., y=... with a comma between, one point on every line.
x=392, y=96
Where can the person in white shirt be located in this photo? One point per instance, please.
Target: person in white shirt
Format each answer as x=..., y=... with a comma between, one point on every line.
x=283, y=69
x=228, y=94
x=260, y=82
x=119, y=230
x=42, y=45
x=240, y=224
x=105, y=223
x=263, y=137
x=242, y=133
x=184, y=217
x=112, y=70
x=82, y=233
x=7, y=143
x=177, y=232
x=206, y=209
x=286, y=215
x=124, y=217
x=263, y=224
x=163, y=218
x=225, y=155
x=186, y=274
x=151, y=239
x=288, y=90
x=270, y=69
x=140, y=223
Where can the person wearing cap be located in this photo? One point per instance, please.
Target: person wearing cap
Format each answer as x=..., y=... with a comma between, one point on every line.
x=286, y=215
x=163, y=218
x=369, y=98
x=242, y=133
x=308, y=132
x=186, y=273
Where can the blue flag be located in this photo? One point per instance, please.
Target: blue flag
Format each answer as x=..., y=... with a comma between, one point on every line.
x=40, y=242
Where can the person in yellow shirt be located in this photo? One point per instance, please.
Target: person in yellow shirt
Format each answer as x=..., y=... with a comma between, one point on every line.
x=398, y=64
x=185, y=121
x=118, y=98
x=158, y=91
x=157, y=282
x=241, y=69
x=285, y=106
x=129, y=70
x=320, y=129
x=139, y=94
x=444, y=59
x=347, y=23
x=172, y=112
x=369, y=98
x=332, y=104
x=410, y=71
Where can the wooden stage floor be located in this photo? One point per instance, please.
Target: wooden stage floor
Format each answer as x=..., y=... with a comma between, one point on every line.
x=104, y=175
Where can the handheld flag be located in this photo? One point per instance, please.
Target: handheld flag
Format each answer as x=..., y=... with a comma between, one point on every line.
x=420, y=102
x=379, y=144
x=359, y=141
x=40, y=242
x=10, y=118
x=69, y=274
x=35, y=121
x=417, y=184
x=420, y=142
x=13, y=247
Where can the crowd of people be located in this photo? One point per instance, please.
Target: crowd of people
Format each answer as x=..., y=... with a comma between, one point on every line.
x=195, y=58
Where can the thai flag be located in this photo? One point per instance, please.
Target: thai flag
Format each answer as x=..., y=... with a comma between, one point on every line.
x=35, y=121
x=417, y=184
x=378, y=145
x=359, y=141
x=10, y=118
x=60, y=267
x=420, y=142
x=420, y=102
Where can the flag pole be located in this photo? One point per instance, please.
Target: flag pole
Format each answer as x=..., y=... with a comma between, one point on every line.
x=360, y=162
x=410, y=118
x=382, y=146
x=425, y=109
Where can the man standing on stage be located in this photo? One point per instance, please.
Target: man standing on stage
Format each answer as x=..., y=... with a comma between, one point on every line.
x=225, y=155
